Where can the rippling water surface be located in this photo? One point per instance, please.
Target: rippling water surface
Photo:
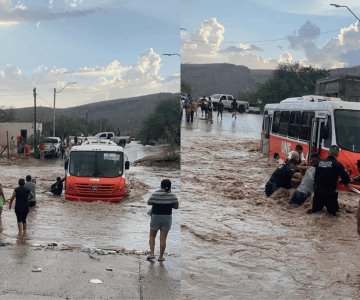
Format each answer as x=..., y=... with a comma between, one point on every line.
x=238, y=244
x=83, y=224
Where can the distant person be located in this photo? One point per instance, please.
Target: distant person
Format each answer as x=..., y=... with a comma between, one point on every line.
x=210, y=108
x=42, y=150
x=220, y=109
x=327, y=174
x=52, y=150
x=62, y=149
x=30, y=185
x=162, y=201
x=75, y=140
x=12, y=145
x=306, y=187
x=282, y=177
x=2, y=201
x=299, y=150
x=195, y=106
x=203, y=107
x=234, y=107
x=22, y=195
x=277, y=159
x=57, y=187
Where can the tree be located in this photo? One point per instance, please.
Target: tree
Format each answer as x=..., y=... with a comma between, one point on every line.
x=186, y=88
x=163, y=125
x=7, y=114
x=290, y=80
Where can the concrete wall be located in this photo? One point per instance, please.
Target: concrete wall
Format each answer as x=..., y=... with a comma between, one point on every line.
x=15, y=129
x=345, y=87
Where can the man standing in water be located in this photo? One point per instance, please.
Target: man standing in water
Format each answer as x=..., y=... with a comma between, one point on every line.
x=327, y=174
x=220, y=109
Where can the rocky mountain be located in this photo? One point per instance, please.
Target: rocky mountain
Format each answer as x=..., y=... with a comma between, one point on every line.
x=126, y=114
x=208, y=79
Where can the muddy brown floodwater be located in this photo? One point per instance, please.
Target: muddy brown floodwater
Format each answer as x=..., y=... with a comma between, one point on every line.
x=83, y=224
x=238, y=244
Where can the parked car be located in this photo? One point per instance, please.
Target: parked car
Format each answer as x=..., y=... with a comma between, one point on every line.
x=48, y=141
x=120, y=140
x=227, y=100
x=254, y=108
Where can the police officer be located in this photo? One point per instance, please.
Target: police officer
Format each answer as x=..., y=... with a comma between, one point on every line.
x=326, y=177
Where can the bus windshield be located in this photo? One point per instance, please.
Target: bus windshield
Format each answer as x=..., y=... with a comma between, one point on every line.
x=347, y=125
x=96, y=164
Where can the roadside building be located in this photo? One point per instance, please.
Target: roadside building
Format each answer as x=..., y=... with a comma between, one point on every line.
x=24, y=130
x=346, y=87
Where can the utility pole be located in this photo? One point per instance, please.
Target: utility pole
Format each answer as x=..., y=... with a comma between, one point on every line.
x=53, y=133
x=35, y=133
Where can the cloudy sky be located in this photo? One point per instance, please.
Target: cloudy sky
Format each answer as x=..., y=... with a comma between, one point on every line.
x=261, y=33
x=110, y=48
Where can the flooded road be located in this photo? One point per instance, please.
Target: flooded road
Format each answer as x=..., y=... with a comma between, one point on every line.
x=238, y=244
x=82, y=224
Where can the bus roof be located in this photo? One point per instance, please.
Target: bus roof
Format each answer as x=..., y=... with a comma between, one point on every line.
x=313, y=102
x=310, y=98
x=98, y=145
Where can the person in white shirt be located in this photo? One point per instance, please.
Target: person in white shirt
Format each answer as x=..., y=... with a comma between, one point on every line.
x=306, y=187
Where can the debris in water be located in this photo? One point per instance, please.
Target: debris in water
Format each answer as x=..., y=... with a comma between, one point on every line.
x=95, y=281
x=36, y=270
x=109, y=269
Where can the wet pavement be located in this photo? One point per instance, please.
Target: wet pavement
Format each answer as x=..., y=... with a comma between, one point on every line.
x=76, y=227
x=238, y=244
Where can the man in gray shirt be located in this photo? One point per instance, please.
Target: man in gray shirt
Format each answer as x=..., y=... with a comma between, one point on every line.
x=30, y=185
x=306, y=187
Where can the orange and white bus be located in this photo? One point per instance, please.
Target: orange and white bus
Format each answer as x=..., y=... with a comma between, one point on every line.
x=95, y=171
x=316, y=123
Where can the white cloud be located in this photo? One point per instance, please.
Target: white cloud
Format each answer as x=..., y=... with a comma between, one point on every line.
x=20, y=13
x=341, y=51
x=97, y=83
x=204, y=46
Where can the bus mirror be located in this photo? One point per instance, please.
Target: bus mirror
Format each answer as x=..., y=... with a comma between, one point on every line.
x=324, y=132
x=127, y=165
x=66, y=164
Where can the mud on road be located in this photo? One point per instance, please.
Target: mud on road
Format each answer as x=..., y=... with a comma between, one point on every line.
x=237, y=243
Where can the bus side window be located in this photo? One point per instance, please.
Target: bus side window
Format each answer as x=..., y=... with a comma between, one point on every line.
x=284, y=122
x=327, y=142
x=306, y=122
x=295, y=122
x=276, y=122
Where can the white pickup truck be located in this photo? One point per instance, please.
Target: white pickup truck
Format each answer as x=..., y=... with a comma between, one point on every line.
x=120, y=140
x=227, y=100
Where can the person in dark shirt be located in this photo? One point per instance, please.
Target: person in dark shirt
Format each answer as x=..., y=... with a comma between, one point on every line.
x=282, y=177
x=22, y=195
x=234, y=107
x=162, y=201
x=220, y=108
x=57, y=187
x=327, y=174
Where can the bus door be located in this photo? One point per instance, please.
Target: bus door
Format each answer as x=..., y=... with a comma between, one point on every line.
x=265, y=134
x=318, y=133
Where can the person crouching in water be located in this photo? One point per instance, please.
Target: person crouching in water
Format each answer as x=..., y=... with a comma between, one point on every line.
x=57, y=187
x=162, y=201
x=282, y=177
x=22, y=195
